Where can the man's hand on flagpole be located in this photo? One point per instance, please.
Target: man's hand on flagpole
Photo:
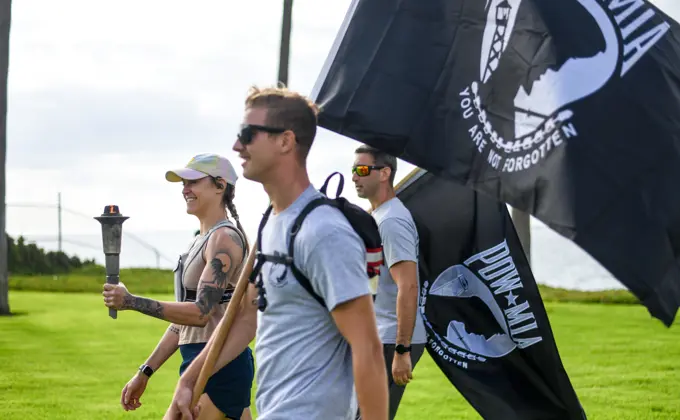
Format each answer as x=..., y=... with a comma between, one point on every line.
x=181, y=402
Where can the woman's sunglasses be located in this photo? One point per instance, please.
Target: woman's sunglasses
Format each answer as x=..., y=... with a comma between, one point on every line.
x=364, y=170
x=248, y=131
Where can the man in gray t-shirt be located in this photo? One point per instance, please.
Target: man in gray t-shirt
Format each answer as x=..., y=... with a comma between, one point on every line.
x=400, y=323
x=309, y=356
x=296, y=328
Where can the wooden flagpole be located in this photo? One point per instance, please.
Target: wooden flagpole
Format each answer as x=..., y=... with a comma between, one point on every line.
x=220, y=334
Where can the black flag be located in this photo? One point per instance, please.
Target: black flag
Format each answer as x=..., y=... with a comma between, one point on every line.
x=487, y=328
x=568, y=110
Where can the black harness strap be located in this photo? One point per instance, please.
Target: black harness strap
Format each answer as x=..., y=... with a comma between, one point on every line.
x=191, y=296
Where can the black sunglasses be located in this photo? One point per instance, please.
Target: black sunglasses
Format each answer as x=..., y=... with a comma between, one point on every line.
x=248, y=131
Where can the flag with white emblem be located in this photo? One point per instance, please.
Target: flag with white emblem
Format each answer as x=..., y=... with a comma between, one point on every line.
x=487, y=328
x=568, y=110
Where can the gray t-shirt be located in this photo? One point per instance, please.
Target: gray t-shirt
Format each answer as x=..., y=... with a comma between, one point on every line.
x=304, y=364
x=400, y=243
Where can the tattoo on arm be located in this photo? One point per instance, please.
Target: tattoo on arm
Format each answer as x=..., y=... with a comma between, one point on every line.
x=146, y=306
x=219, y=276
x=210, y=290
x=174, y=329
x=207, y=298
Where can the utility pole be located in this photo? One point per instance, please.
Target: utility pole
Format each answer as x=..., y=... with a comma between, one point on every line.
x=285, y=41
x=59, y=219
x=522, y=222
x=5, y=22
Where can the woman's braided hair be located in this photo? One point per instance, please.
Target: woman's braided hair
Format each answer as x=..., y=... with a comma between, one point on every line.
x=228, y=202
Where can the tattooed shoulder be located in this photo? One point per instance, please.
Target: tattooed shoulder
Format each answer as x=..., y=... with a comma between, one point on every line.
x=221, y=265
x=236, y=238
x=210, y=289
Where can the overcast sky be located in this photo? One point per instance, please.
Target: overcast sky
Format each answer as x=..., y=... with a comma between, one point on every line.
x=104, y=100
x=105, y=97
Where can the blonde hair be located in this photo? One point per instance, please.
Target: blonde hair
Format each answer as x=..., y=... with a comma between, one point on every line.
x=288, y=110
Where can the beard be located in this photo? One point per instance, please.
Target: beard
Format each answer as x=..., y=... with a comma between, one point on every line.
x=365, y=191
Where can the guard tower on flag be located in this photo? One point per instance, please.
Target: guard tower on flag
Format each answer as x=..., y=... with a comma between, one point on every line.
x=502, y=17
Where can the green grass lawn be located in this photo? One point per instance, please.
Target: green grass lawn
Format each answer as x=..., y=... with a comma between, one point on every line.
x=62, y=357
x=150, y=280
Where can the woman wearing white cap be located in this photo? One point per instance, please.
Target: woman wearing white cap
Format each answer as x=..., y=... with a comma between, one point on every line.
x=204, y=281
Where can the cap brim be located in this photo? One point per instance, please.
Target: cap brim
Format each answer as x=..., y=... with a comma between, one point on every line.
x=178, y=175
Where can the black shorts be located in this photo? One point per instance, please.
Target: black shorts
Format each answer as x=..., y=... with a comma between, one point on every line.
x=229, y=388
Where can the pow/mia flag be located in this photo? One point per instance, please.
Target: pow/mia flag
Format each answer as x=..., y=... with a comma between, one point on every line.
x=568, y=110
x=487, y=328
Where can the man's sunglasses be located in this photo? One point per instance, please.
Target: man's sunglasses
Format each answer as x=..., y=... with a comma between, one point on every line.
x=364, y=170
x=248, y=131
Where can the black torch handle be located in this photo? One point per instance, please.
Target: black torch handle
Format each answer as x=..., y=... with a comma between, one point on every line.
x=112, y=276
x=113, y=279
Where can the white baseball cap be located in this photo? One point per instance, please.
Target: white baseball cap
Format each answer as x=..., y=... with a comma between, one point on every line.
x=205, y=164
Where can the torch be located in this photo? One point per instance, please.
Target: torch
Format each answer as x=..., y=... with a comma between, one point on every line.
x=112, y=235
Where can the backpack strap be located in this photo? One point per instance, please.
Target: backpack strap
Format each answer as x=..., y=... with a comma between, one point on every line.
x=288, y=260
x=256, y=275
x=262, y=258
x=341, y=184
x=297, y=225
x=263, y=222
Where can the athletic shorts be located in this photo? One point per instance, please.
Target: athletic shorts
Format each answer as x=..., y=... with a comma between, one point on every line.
x=229, y=388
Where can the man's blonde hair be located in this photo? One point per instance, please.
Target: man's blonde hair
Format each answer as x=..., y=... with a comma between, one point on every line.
x=289, y=110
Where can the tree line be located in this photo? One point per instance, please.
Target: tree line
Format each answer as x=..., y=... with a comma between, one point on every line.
x=28, y=258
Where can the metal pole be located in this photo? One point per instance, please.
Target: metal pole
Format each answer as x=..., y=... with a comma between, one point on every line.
x=522, y=222
x=285, y=41
x=59, y=219
x=5, y=23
